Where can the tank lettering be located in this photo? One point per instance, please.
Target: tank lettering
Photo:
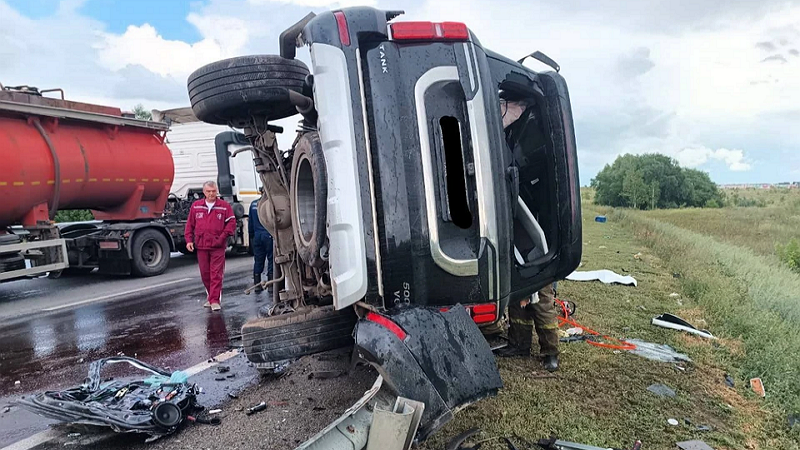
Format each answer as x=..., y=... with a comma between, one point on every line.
x=384, y=64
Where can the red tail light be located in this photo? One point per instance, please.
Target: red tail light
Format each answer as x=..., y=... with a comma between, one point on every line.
x=486, y=308
x=483, y=313
x=430, y=31
x=344, y=32
x=388, y=324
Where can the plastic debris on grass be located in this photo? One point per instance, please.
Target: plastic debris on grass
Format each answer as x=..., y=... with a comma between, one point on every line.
x=758, y=387
x=674, y=322
x=661, y=390
x=657, y=352
x=694, y=445
x=156, y=405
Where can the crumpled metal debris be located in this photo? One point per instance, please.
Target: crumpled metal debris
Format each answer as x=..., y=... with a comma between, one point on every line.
x=661, y=390
x=156, y=405
x=694, y=445
x=657, y=352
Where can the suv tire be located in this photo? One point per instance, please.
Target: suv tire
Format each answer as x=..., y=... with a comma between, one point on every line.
x=307, y=331
x=233, y=90
x=309, y=197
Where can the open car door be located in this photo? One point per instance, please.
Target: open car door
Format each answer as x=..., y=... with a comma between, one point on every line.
x=543, y=175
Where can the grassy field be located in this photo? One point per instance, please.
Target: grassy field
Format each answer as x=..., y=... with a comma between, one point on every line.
x=600, y=398
x=756, y=228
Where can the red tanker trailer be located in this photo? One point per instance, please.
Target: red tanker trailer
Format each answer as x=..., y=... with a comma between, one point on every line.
x=57, y=154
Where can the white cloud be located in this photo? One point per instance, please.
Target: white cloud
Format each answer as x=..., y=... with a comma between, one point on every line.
x=142, y=45
x=230, y=33
x=657, y=77
x=697, y=156
x=684, y=78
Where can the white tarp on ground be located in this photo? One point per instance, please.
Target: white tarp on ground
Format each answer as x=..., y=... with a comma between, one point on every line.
x=605, y=276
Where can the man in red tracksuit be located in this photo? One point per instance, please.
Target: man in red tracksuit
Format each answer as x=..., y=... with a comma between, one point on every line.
x=211, y=222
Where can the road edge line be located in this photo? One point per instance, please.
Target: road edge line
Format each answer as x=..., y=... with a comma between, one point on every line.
x=118, y=294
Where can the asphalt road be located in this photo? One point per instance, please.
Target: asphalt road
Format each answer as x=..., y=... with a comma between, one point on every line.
x=50, y=330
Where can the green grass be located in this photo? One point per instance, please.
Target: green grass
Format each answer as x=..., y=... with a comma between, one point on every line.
x=751, y=297
x=599, y=397
x=758, y=229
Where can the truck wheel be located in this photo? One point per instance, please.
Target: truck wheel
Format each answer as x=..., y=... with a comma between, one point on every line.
x=309, y=196
x=150, y=253
x=9, y=262
x=303, y=332
x=234, y=90
x=9, y=239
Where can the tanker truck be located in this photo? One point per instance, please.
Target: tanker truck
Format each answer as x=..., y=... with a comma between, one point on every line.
x=60, y=155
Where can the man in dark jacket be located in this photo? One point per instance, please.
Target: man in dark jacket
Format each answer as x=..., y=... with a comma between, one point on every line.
x=211, y=222
x=261, y=241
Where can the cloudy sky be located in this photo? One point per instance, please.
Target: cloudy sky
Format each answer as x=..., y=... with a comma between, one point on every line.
x=714, y=84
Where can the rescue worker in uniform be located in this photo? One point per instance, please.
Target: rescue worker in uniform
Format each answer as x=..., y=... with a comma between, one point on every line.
x=537, y=312
x=261, y=241
x=211, y=222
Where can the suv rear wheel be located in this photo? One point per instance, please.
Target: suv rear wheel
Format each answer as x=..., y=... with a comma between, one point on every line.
x=233, y=90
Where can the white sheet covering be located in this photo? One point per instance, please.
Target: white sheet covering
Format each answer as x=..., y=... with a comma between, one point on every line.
x=605, y=276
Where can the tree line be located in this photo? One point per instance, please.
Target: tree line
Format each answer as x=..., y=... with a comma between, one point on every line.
x=654, y=181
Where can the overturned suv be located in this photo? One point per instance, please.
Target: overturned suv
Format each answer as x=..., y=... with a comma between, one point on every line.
x=431, y=182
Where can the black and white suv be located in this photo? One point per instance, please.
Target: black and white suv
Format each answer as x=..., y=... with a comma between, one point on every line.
x=427, y=172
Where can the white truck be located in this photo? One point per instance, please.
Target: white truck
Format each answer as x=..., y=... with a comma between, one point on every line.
x=203, y=152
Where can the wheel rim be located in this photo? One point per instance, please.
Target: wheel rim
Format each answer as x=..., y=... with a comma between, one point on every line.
x=306, y=206
x=152, y=253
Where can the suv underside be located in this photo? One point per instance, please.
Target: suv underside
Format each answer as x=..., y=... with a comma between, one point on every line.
x=406, y=207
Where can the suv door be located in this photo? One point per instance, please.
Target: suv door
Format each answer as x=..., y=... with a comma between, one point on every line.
x=542, y=175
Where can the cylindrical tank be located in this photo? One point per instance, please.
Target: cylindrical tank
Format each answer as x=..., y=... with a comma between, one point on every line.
x=120, y=172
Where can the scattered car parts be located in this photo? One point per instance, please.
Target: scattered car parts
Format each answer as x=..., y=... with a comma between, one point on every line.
x=155, y=406
x=674, y=322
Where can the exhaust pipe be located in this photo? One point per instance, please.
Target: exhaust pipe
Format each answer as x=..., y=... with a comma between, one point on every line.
x=305, y=106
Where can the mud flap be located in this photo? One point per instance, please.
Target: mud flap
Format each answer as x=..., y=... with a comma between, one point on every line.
x=438, y=358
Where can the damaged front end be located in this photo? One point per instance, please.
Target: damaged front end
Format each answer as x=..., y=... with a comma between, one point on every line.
x=155, y=406
x=431, y=364
x=438, y=358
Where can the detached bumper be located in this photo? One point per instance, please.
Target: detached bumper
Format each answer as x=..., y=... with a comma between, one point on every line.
x=438, y=358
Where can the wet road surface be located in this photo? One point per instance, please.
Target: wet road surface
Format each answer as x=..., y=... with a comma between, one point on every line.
x=165, y=326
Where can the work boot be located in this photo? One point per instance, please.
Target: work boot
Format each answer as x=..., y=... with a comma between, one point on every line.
x=257, y=281
x=550, y=363
x=511, y=351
